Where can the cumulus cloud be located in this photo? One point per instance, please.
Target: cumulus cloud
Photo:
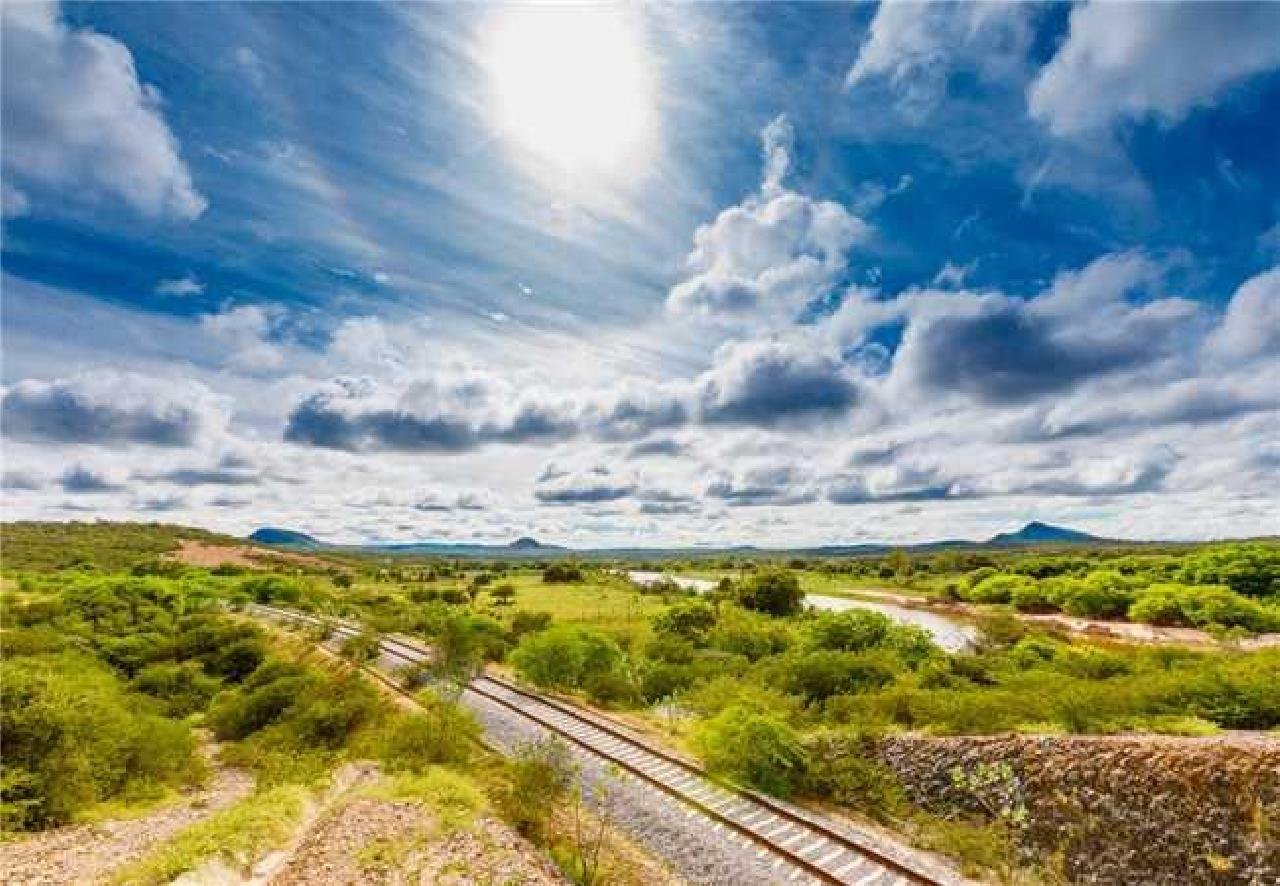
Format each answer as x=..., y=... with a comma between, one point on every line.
x=1130, y=61
x=915, y=47
x=77, y=119
x=1000, y=349
x=245, y=332
x=768, y=257
x=895, y=482
x=458, y=501
x=1251, y=326
x=111, y=409
x=767, y=484
x=431, y=416
x=763, y=383
x=632, y=415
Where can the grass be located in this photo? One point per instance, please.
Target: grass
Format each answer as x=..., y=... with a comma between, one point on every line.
x=237, y=835
x=607, y=604
x=453, y=796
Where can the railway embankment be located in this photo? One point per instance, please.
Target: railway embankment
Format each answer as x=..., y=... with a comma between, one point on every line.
x=1117, y=809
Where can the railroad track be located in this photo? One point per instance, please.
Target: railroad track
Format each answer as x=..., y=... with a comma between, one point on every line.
x=803, y=847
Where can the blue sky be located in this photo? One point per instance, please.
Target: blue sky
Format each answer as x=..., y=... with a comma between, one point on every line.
x=758, y=273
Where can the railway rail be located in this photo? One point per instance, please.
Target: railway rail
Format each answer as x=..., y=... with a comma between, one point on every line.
x=803, y=847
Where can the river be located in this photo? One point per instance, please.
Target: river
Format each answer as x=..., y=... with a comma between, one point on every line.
x=948, y=633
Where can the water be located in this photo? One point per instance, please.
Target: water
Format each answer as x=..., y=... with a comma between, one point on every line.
x=948, y=633
x=644, y=579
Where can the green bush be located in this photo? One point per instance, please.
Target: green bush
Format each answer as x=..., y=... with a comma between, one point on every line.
x=741, y=632
x=691, y=620
x=183, y=686
x=525, y=622
x=73, y=737
x=851, y=631
x=757, y=749
x=998, y=588
x=562, y=573
x=539, y=775
x=841, y=768
x=1100, y=594
x=816, y=676
x=1034, y=597
x=1202, y=606
x=566, y=657
x=772, y=591
x=443, y=734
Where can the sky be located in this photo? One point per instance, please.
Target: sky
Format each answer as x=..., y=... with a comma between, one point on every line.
x=643, y=275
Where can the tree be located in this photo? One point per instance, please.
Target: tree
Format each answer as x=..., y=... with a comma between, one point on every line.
x=772, y=591
x=503, y=594
x=690, y=621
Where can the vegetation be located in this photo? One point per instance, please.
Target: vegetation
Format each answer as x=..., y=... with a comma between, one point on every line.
x=113, y=655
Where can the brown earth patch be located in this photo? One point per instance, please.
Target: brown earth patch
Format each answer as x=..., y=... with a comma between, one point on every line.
x=198, y=553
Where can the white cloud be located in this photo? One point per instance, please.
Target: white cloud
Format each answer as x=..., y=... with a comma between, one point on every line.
x=188, y=285
x=77, y=119
x=914, y=47
x=245, y=334
x=1137, y=60
x=1251, y=327
x=763, y=260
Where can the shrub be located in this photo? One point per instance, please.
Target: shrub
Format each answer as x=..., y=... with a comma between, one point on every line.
x=73, y=737
x=562, y=573
x=238, y=713
x=998, y=588
x=184, y=687
x=757, y=749
x=271, y=588
x=841, y=768
x=564, y=657
x=851, y=631
x=746, y=633
x=690, y=621
x=525, y=622
x=773, y=592
x=540, y=774
x=1101, y=594
x=361, y=648
x=816, y=676
x=1034, y=597
x=1202, y=606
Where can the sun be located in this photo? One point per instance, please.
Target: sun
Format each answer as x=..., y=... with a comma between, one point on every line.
x=572, y=87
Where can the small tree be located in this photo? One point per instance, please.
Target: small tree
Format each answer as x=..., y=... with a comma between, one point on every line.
x=503, y=594
x=772, y=591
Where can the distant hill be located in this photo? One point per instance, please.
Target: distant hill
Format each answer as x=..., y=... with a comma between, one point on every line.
x=283, y=538
x=525, y=543
x=1037, y=533
x=1033, y=533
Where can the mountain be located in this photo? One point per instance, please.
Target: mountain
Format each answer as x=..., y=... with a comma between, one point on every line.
x=527, y=547
x=283, y=538
x=1037, y=533
x=525, y=543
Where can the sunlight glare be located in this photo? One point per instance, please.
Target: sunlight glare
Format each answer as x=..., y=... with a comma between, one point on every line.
x=572, y=86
